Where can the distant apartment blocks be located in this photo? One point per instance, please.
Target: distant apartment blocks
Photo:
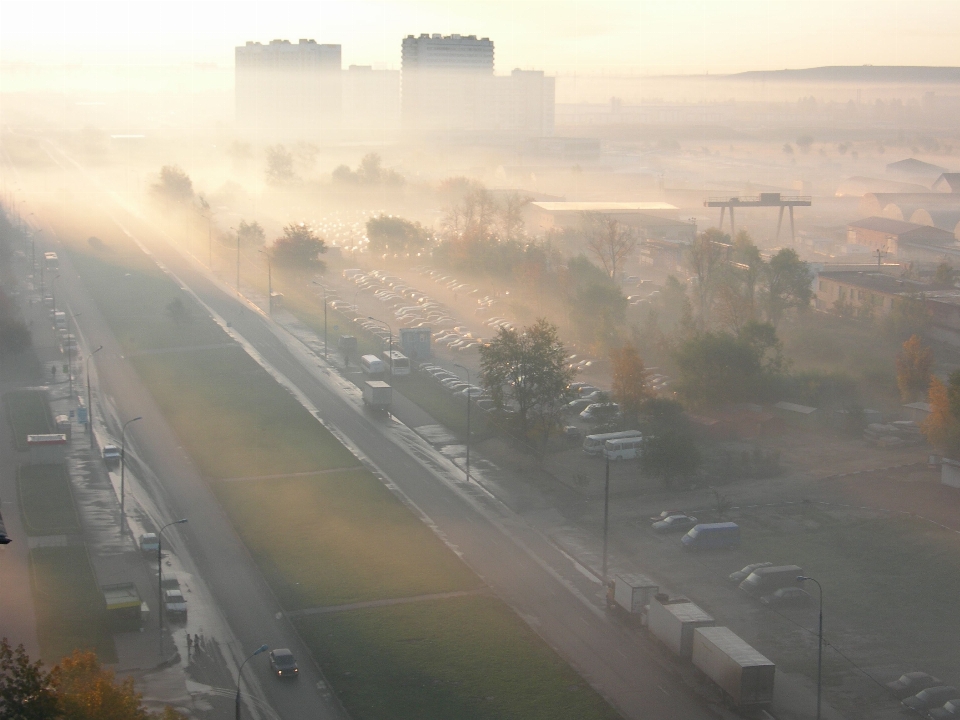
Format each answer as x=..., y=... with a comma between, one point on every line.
x=446, y=87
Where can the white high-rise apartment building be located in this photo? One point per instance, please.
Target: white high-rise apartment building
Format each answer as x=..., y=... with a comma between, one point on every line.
x=288, y=91
x=448, y=86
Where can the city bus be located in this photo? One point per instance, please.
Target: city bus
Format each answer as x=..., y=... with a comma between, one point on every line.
x=594, y=444
x=397, y=361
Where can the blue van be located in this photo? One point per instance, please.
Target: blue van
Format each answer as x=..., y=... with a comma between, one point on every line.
x=712, y=536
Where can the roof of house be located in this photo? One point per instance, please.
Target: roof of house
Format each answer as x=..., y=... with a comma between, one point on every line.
x=912, y=166
x=913, y=232
x=603, y=206
x=950, y=181
x=877, y=282
x=882, y=224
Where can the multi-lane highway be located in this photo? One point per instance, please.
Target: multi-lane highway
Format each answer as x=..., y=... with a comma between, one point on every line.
x=545, y=587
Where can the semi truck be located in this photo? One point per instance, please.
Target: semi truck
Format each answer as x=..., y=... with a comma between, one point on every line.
x=377, y=394
x=744, y=675
x=673, y=622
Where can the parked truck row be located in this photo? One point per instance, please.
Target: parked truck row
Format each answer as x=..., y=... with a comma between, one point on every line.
x=742, y=674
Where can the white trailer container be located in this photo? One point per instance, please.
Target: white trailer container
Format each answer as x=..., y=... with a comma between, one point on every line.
x=377, y=394
x=745, y=676
x=633, y=592
x=673, y=623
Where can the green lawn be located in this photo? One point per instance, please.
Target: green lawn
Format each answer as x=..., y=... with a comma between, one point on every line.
x=464, y=658
x=339, y=538
x=46, y=501
x=29, y=413
x=136, y=298
x=69, y=606
x=236, y=420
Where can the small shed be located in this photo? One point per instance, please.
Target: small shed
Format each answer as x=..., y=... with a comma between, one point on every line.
x=415, y=342
x=796, y=414
x=48, y=449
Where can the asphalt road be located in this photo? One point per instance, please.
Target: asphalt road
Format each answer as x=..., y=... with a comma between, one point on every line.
x=559, y=601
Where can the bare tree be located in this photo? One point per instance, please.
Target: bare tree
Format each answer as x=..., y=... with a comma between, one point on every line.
x=610, y=240
x=510, y=216
x=705, y=258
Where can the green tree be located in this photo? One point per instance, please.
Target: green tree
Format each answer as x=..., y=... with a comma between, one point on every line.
x=704, y=260
x=26, y=689
x=251, y=234
x=629, y=381
x=913, y=368
x=280, y=165
x=787, y=285
x=596, y=304
x=719, y=368
x=908, y=316
x=525, y=369
x=945, y=274
x=395, y=234
x=298, y=250
x=174, y=186
x=669, y=450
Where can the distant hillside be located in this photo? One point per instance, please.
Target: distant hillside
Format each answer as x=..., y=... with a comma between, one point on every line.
x=858, y=74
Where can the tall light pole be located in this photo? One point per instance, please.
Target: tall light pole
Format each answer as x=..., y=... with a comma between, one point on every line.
x=123, y=465
x=324, y=316
x=238, y=258
x=160, y=579
x=269, y=283
x=261, y=649
x=469, y=399
x=606, y=517
x=800, y=579
x=70, y=351
x=389, y=330
x=90, y=404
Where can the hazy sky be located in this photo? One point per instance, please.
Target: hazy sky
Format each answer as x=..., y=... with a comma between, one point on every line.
x=584, y=37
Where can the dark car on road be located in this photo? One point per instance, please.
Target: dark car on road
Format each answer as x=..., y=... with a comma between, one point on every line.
x=911, y=683
x=674, y=523
x=931, y=697
x=787, y=596
x=283, y=663
x=740, y=575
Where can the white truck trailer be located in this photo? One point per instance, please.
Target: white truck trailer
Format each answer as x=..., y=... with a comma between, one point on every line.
x=743, y=674
x=673, y=623
x=377, y=394
x=632, y=593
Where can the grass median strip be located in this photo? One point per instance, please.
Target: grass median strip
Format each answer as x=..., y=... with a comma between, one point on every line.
x=46, y=500
x=466, y=657
x=340, y=538
x=69, y=606
x=29, y=414
x=235, y=419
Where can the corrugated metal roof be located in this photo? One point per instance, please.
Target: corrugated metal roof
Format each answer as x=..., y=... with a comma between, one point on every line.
x=887, y=225
x=603, y=206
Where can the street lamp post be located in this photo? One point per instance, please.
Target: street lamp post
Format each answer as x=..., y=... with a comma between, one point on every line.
x=262, y=648
x=801, y=579
x=606, y=517
x=469, y=398
x=324, y=317
x=269, y=283
x=160, y=579
x=389, y=330
x=89, y=403
x=123, y=465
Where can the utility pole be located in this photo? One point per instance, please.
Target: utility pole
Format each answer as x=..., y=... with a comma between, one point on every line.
x=606, y=518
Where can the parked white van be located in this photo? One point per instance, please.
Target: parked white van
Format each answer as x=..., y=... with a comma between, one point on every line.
x=372, y=365
x=595, y=444
x=622, y=448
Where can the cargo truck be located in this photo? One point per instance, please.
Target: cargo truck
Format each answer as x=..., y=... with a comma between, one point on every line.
x=743, y=674
x=123, y=605
x=632, y=593
x=377, y=394
x=674, y=621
